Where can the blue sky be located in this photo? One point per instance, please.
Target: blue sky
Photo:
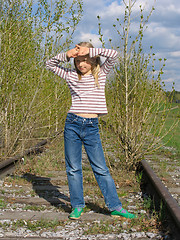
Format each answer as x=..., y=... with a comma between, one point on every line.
x=163, y=31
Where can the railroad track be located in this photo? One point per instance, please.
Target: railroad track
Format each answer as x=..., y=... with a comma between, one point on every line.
x=150, y=185
x=160, y=194
x=7, y=166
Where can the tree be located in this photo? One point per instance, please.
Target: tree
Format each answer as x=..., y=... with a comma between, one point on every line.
x=29, y=96
x=138, y=105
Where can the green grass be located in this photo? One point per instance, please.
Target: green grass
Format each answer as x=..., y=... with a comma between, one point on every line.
x=33, y=225
x=3, y=204
x=172, y=139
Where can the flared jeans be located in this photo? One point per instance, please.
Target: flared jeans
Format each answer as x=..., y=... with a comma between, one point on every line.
x=78, y=131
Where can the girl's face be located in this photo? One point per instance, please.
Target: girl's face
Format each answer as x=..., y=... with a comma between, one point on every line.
x=83, y=64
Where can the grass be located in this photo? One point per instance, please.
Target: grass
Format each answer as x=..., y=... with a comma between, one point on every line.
x=167, y=157
x=3, y=204
x=32, y=225
x=172, y=139
x=53, y=159
x=117, y=226
x=125, y=181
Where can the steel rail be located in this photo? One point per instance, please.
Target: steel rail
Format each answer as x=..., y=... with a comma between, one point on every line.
x=158, y=191
x=7, y=165
x=154, y=186
x=163, y=194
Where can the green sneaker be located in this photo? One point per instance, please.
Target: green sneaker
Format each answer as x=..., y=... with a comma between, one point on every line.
x=76, y=213
x=123, y=213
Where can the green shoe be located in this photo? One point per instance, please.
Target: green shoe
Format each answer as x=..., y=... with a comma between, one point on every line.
x=123, y=213
x=76, y=213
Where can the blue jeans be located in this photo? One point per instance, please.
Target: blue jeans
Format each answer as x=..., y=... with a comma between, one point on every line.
x=80, y=130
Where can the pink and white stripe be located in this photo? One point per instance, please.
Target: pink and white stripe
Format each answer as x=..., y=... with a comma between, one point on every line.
x=86, y=97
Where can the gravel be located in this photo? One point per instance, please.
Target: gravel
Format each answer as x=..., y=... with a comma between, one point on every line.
x=72, y=231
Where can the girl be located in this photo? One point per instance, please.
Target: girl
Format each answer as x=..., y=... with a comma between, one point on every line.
x=87, y=86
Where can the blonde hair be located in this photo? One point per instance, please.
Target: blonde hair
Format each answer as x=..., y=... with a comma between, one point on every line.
x=95, y=66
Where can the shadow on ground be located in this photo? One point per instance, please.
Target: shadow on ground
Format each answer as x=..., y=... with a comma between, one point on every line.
x=52, y=194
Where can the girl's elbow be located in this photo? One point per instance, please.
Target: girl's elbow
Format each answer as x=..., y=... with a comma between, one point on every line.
x=47, y=65
x=47, y=62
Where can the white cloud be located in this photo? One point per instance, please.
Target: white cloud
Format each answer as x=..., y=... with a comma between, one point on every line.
x=161, y=36
x=113, y=10
x=169, y=80
x=89, y=37
x=175, y=54
x=163, y=31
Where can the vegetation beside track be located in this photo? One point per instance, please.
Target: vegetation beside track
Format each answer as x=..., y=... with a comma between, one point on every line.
x=128, y=185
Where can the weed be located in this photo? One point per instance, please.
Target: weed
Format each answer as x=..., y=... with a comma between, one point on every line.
x=15, y=180
x=43, y=224
x=32, y=225
x=122, y=194
x=139, y=177
x=5, y=225
x=99, y=227
x=162, y=212
x=3, y=204
x=3, y=192
x=148, y=203
x=53, y=159
x=34, y=208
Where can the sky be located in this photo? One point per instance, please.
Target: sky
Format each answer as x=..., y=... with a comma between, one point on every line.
x=163, y=32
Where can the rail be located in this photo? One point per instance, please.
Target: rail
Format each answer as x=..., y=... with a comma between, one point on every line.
x=159, y=193
x=151, y=185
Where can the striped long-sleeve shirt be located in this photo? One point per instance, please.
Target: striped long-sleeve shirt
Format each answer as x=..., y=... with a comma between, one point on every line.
x=86, y=96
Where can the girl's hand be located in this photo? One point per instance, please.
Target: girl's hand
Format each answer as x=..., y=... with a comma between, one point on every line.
x=77, y=51
x=82, y=51
x=72, y=53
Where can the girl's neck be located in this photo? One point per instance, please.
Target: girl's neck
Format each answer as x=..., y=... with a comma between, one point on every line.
x=87, y=73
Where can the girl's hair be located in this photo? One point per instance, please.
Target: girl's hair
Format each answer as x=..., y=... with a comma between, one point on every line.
x=95, y=64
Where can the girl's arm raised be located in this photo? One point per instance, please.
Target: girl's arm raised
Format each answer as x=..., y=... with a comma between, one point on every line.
x=110, y=54
x=53, y=65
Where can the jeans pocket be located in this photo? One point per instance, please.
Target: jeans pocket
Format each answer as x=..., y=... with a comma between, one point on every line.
x=71, y=120
x=95, y=125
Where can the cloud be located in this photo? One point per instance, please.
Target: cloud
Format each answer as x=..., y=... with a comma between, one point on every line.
x=161, y=37
x=113, y=10
x=163, y=31
x=175, y=54
x=86, y=37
